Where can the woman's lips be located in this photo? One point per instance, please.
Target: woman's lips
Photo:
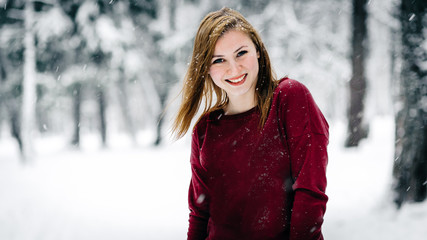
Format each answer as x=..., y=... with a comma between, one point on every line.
x=237, y=81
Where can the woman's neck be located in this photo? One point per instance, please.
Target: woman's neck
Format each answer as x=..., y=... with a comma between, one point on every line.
x=236, y=106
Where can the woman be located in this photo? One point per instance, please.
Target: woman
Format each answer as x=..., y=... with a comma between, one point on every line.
x=258, y=155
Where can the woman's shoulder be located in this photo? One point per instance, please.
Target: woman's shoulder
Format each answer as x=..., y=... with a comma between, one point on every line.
x=291, y=90
x=288, y=84
x=296, y=102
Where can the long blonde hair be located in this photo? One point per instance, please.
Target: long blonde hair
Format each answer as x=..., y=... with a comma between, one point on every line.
x=199, y=84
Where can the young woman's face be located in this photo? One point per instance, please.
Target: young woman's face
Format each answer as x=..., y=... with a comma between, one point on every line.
x=235, y=65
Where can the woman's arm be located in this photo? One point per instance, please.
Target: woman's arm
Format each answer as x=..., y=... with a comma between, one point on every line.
x=307, y=137
x=197, y=195
x=309, y=159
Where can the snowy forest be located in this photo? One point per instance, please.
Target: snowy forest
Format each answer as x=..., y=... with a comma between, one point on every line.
x=89, y=90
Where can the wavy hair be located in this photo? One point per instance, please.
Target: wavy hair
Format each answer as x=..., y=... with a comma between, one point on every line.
x=197, y=82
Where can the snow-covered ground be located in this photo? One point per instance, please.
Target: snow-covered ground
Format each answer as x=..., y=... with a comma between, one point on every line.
x=141, y=193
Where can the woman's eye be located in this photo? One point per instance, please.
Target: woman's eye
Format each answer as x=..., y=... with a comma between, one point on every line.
x=219, y=60
x=241, y=53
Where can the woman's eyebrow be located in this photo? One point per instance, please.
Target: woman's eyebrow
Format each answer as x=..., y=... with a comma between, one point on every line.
x=214, y=56
x=240, y=48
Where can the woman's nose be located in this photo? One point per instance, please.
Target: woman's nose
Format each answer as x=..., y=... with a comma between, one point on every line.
x=233, y=68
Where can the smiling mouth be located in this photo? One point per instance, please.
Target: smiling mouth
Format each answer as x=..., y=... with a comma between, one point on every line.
x=237, y=81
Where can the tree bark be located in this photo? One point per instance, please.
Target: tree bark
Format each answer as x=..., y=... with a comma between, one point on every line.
x=410, y=166
x=356, y=131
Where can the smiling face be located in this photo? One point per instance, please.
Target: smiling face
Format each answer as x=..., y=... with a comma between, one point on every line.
x=234, y=67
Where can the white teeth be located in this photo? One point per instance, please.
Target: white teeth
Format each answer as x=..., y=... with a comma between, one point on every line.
x=237, y=80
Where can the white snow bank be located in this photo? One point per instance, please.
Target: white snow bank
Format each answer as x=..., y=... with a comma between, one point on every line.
x=130, y=193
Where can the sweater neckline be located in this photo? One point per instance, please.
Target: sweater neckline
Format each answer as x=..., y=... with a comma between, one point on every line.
x=220, y=114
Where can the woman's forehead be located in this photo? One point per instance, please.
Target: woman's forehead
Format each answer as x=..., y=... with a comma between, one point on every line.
x=233, y=39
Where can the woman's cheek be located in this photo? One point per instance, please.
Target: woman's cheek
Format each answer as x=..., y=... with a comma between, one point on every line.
x=215, y=73
x=253, y=61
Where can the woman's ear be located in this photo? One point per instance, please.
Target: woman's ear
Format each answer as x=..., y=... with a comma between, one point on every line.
x=257, y=53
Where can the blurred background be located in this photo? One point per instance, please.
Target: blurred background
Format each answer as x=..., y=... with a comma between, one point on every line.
x=88, y=91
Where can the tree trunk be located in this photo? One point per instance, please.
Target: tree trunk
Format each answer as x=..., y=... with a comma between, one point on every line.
x=172, y=15
x=169, y=74
x=3, y=73
x=102, y=120
x=152, y=98
x=2, y=87
x=410, y=166
x=124, y=106
x=163, y=95
x=29, y=86
x=356, y=131
x=77, y=100
x=11, y=104
x=159, y=128
x=15, y=127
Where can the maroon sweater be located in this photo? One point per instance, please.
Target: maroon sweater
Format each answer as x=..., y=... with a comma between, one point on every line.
x=268, y=184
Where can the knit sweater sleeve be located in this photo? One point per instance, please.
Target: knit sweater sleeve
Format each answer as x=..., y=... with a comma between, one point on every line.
x=198, y=194
x=307, y=137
